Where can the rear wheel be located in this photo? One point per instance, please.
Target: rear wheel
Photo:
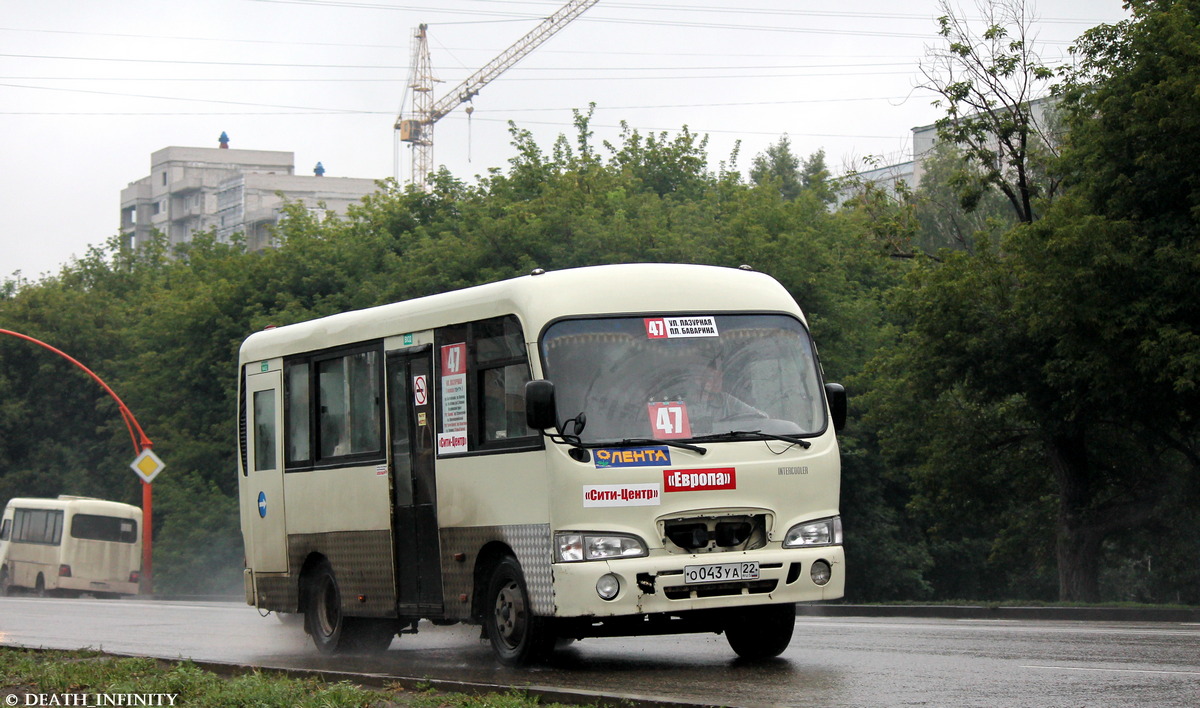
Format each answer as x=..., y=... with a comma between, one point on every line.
x=332, y=631
x=518, y=636
x=761, y=632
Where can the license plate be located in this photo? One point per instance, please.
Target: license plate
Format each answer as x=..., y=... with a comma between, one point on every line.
x=720, y=572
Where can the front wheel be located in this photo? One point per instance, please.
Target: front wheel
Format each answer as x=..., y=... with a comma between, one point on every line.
x=761, y=632
x=332, y=631
x=518, y=636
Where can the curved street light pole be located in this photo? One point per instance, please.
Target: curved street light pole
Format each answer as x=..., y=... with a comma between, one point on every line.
x=140, y=443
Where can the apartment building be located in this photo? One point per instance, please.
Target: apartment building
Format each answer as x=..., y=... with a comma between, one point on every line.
x=227, y=191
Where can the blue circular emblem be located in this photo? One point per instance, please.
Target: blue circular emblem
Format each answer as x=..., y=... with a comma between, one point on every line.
x=262, y=504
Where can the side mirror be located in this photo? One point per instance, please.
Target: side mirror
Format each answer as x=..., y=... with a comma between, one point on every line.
x=835, y=393
x=540, y=411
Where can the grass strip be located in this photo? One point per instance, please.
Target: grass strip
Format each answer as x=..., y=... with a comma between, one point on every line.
x=31, y=677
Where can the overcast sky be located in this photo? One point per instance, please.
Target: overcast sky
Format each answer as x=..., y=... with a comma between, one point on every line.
x=89, y=89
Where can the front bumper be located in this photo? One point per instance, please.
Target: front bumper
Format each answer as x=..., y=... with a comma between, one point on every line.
x=655, y=584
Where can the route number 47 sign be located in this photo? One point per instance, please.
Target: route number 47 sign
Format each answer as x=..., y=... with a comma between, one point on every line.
x=669, y=419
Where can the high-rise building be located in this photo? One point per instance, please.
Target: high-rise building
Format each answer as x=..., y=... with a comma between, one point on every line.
x=228, y=192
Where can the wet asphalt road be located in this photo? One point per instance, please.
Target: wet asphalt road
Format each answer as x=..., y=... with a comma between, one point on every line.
x=831, y=661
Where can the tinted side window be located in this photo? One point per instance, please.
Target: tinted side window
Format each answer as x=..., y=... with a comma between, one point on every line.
x=103, y=528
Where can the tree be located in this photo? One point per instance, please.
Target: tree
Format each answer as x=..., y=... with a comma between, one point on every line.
x=778, y=165
x=943, y=221
x=1082, y=327
x=814, y=176
x=988, y=83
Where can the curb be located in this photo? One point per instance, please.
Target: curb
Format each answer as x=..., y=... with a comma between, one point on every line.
x=983, y=612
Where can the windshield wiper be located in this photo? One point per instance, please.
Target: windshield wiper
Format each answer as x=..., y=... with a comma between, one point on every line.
x=573, y=441
x=754, y=435
x=657, y=441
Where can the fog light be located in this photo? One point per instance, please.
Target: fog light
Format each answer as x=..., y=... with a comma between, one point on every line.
x=608, y=586
x=820, y=572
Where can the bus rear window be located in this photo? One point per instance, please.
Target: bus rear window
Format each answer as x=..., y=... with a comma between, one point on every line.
x=103, y=528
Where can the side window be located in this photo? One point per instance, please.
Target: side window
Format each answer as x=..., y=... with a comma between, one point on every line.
x=38, y=526
x=497, y=371
x=297, y=414
x=4, y=529
x=503, y=402
x=332, y=406
x=502, y=372
x=264, y=430
x=348, y=399
x=20, y=519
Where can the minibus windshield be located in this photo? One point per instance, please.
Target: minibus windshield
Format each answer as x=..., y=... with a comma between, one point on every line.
x=680, y=377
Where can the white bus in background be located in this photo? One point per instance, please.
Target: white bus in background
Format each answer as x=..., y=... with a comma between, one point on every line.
x=612, y=450
x=69, y=546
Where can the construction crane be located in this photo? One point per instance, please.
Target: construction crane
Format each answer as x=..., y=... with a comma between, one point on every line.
x=418, y=130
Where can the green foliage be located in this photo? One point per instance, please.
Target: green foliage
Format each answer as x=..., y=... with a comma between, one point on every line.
x=952, y=206
x=1046, y=378
x=778, y=165
x=1136, y=115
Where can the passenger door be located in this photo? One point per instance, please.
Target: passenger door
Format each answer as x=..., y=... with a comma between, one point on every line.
x=414, y=486
x=264, y=462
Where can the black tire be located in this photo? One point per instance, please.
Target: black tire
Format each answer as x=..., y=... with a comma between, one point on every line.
x=518, y=636
x=761, y=632
x=332, y=631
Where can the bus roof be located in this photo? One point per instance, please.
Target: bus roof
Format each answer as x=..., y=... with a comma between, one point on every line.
x=538, y=299
x=86, y=505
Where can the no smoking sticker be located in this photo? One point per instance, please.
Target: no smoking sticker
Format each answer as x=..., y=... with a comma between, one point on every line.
x=420, y=390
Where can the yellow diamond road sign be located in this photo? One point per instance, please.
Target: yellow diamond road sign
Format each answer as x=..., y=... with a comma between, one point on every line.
x=147, y=465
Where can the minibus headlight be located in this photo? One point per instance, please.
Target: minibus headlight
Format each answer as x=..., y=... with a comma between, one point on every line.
x=595, y=546
x=826, y=532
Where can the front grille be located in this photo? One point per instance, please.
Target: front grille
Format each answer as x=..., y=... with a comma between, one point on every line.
x=689, y=592
x=714, y=534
